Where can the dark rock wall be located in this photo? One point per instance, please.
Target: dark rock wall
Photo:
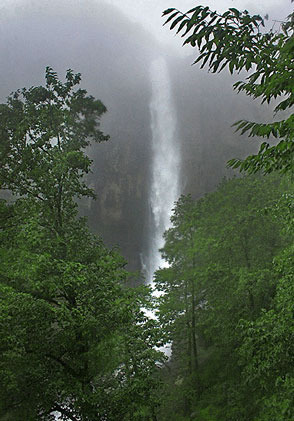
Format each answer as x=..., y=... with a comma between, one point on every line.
x=114, y=56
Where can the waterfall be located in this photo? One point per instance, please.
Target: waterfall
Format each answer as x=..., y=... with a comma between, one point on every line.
x=164, y=186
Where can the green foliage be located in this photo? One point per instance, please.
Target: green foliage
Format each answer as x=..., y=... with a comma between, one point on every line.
x=74, y=338
x=44, y=132
x=230, y=280
x=235, y=40
x=229, y=288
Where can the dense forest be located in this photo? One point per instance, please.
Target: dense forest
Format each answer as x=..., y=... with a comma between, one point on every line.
x=76, y=339
x=227, y=305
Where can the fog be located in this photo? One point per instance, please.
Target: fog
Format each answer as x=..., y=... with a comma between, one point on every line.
x=112, y=43
x=148, y=14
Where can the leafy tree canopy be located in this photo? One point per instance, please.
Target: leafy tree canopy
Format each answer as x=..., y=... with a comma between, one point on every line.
x=228, y=294
x=236, y=40
x=74, y=338
x=44, y=131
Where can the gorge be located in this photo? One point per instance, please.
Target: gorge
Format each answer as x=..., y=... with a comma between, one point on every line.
x=117, y=70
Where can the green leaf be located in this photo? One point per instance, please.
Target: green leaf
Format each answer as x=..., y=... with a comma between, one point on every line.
x=235, y=11
x=167, y=11
x=182, y=24
x=176, y=21
x=171, y=17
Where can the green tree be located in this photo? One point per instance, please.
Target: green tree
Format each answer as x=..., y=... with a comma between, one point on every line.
x=177, y=306
x=74, y=338
x=44, y=132
x=221, y=276
x=236, y=40
x=267, y=353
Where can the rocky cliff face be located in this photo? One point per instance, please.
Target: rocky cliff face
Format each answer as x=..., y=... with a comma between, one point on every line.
x=121, y=172
x=114, y=57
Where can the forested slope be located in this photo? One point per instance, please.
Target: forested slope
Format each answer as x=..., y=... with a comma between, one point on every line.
x=228, y=303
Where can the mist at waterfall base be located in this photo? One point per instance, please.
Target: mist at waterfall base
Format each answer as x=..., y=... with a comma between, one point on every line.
x=146, y=102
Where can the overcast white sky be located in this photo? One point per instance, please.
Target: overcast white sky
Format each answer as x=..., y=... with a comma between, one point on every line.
x=148, y=12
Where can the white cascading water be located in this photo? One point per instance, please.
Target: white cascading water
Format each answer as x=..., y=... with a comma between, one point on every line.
x=164, y=188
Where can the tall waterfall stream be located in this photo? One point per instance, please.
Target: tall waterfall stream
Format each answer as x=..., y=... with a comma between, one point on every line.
x=164, y=187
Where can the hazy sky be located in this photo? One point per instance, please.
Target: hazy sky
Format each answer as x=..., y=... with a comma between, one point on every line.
x=148, y=12
x=35, y=32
